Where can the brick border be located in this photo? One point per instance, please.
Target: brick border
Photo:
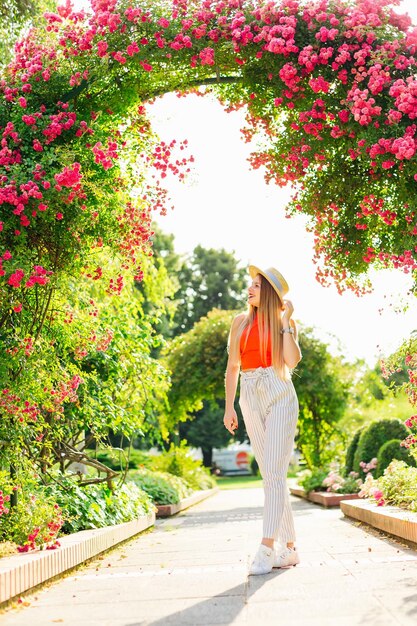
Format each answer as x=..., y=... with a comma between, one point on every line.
x=21, y=572
x=166, y=510
x=390, y=519
x=325, y=498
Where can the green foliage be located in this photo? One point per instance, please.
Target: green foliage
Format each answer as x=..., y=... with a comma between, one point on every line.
x=118, y=459
x=389, y=451
x=399, y=485
x=205, y=430
x=178, y=461
x=329, y=479
x=104, y=371
x=198, y=357
x=16, y=16
x=34, y=510
x=162, y=487
x=254, y=466
x=351, y=450
x=322, y=382
x=312, y=479
x=95, y=506
x=208, y=279
x=351, y=483
x=372, y=438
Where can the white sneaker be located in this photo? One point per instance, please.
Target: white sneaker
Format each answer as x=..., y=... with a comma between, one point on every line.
x=263, y=561
x=286, y=558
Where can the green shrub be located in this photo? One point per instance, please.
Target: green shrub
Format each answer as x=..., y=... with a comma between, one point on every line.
x=162, y=487
x=178, y=461
x=96, y=506
x=254, y=466
x=312, y=480
x=117, y=459
x=373, y=437
x=34, y=522
x=399, y=485
x=389, y=451
x=332, y=480
x=351, y=449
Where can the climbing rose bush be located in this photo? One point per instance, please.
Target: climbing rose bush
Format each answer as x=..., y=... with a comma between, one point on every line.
x=328, y=85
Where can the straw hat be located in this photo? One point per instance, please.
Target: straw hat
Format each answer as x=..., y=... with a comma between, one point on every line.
x=275, y=279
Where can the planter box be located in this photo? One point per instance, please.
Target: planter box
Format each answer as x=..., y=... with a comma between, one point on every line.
x=390, y=519
x=23, y=571
x=166, y=510
x=325, y=498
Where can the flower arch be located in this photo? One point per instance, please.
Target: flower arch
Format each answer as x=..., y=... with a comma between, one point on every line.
x=329, y=85
x=331, y=92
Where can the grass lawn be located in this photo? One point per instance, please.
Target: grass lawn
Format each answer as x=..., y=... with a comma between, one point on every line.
x=239, y=482
x=246, y=482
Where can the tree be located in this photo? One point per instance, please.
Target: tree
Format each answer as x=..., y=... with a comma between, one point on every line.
x=197, y=362
x=209, y=279
x=322, y=383
x=205, y=430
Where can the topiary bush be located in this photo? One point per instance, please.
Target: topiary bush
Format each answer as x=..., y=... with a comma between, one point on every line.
x=351, y=449
x=389, y=451
x=373, y=437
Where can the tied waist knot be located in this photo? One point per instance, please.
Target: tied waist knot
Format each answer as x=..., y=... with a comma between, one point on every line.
x=260, y=382
x=259, y=377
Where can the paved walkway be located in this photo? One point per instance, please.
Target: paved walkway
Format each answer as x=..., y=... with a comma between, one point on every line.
x=192, y=570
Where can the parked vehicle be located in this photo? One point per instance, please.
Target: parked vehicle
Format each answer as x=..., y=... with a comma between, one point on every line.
x=233, y=460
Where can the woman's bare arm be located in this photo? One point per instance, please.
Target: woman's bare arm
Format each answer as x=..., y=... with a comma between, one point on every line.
x=291, y=349
x=231, y=379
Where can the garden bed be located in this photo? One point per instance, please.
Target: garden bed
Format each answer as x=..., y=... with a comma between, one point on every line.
x=166, y=510
x=21, y=572
x=390, y=519
x=325, y=498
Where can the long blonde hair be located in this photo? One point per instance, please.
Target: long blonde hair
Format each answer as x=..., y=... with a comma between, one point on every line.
x=269, y=324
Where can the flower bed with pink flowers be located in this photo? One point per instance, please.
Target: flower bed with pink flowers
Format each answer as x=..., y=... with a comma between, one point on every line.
x=322, y=497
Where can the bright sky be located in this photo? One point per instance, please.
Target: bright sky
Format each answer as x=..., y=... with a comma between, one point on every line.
x=226, y=205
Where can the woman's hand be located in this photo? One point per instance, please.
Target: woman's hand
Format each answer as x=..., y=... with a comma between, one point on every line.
x=230, y=421
x=288, y=310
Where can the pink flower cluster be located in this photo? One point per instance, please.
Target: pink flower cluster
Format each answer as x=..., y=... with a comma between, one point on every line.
x=3, y=499
x=69, y=177
x=105, y=156
x=411, y=440
x=363, y=108
x=405, y=94
x=367, y=467
x=49, y=537
x=14, y=406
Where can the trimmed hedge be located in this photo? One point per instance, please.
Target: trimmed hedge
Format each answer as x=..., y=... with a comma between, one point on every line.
x=351, y=450
x=373, y=437
x=389, y=451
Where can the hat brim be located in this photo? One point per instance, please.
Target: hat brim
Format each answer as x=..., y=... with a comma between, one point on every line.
x=253, y=271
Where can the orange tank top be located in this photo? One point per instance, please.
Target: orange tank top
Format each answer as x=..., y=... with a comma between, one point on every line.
x=250, y=355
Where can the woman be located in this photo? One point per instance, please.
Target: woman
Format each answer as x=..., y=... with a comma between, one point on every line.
x=263, y=345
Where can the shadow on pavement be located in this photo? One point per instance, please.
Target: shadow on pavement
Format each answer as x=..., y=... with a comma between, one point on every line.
x=223, y=608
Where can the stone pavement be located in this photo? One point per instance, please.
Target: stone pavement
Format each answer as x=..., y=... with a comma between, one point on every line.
x=192, y=570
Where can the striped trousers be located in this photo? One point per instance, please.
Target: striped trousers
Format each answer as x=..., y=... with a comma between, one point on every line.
x=270, y=412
